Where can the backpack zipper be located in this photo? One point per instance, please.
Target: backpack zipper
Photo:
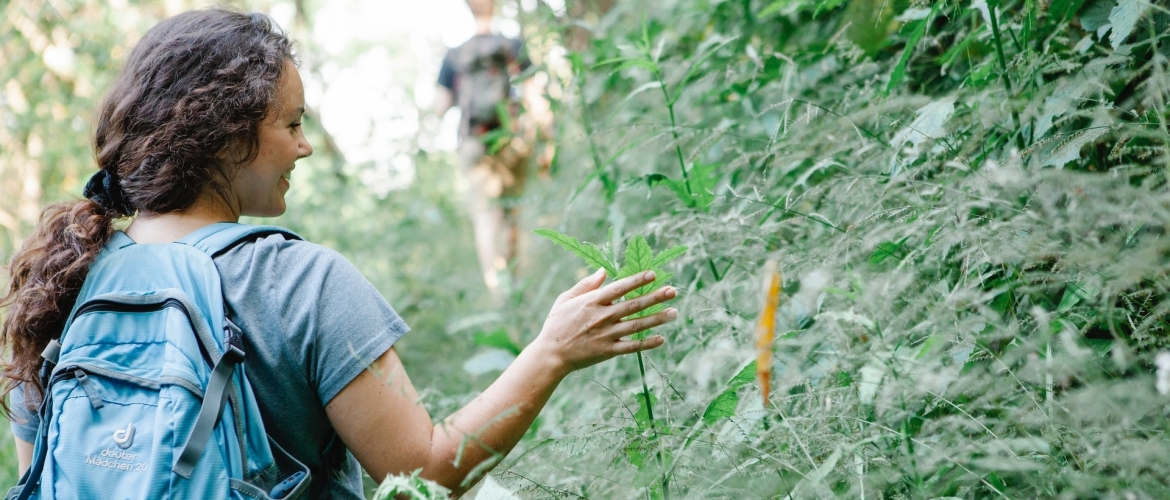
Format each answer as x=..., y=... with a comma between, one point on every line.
x=105, y=305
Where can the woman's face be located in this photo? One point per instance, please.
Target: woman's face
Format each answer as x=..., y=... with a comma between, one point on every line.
x=260, y=185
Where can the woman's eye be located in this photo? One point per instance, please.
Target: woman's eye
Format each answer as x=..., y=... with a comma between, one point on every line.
x=295, y=125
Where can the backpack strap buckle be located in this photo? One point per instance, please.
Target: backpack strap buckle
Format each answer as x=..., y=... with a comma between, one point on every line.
x=233, y=343
x=52, y=351
x=232, y=354
x=51, y=354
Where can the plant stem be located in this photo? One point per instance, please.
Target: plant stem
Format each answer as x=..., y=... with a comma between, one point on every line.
x=587, y=123
x=1007, y=82
x=999, y=47
x=682, y=165
x=653, y=428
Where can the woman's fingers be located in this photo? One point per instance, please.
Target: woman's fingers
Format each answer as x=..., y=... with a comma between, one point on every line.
x=632, y=346
x=636, y=305
x=632, y=326
x=589, y=284
x=620, y=288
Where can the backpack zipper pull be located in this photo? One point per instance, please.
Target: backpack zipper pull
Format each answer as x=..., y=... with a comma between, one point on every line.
x=92, y=390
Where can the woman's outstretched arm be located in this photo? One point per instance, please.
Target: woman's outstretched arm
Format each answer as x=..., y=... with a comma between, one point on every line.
x=379, y=418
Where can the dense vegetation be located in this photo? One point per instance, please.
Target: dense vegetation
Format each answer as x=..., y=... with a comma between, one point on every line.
x=967, y=201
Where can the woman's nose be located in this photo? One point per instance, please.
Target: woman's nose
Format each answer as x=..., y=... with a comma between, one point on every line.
x=304, y=149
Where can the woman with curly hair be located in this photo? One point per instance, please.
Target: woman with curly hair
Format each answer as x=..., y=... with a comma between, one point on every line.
x=203, y=126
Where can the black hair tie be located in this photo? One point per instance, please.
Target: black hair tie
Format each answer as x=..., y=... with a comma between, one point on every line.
x=105, y=190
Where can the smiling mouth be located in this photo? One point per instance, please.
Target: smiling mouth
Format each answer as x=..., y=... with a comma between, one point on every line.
x=287, y=176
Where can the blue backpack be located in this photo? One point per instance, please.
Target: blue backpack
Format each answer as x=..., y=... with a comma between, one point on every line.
x=145, y=394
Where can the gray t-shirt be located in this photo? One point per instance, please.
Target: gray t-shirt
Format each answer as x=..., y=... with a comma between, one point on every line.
x=311, y=324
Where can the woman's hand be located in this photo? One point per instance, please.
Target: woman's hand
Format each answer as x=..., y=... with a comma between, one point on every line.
x=585, y=325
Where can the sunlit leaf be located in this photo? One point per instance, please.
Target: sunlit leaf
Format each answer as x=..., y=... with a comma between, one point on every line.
x=1124, y=16
x=723, y=406
x=638, y=257
x=586, y=251
x=667, y=255
x=498, y=339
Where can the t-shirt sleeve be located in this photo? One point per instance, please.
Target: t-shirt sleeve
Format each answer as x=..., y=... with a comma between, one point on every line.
x=335, y=321
x=447, y=74
x=24, y=420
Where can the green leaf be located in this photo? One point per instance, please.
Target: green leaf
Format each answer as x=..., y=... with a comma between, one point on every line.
x=587, y=251
x=1074, y=293
x=642, y=416
x=1100, y=347
x=649, y=311
x=662, y=278
x=745, y=376
x=917, y=31
x=1124, y=16
x=638, y=256
x=844, y=379
x=629, y=62
x=772, y=9
x=498, y=339
x=690, y=72
x=640, y=63
x=1062, y=10
x=1070, y=149
x=679, y=189
x=667, y=255
x=410, y=486
x=635, y=454
x=1096, y=15
x=702, y=180
x=827, y=5
x=885, y=250
x=927, y=345
x=723, y=406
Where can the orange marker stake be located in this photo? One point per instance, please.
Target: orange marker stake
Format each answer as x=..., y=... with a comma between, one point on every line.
x=765, y=329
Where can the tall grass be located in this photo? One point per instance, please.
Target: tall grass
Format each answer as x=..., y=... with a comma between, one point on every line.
x=970, y=214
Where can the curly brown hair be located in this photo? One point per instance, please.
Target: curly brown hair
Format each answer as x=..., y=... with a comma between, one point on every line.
x=184, y=112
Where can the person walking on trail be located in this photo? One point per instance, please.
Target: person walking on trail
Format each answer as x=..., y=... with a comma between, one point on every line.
x=201, y=127
x=476, y=76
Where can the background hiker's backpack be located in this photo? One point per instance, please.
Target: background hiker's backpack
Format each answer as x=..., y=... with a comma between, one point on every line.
x=482, y=81
x=145, y=395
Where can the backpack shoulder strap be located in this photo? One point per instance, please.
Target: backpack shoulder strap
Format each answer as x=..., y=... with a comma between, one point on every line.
x=221, y=237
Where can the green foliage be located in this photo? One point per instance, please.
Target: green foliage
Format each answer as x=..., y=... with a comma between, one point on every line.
x=590, y=253
x=917, y=30
x=724, y=405
x=1124, y=17
x=498, y=339
x=980, y=185
x=638, y=255
x=410, y=487
x=695, y=190
x=963, y=199
x=638, y=258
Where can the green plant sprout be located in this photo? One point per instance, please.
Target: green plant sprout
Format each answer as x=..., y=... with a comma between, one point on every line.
x=412, y=487
x=638, y=257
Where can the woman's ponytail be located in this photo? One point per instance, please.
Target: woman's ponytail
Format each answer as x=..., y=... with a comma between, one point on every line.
x=195, y=86
x=45, y=278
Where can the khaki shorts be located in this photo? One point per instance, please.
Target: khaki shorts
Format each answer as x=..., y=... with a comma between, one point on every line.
x=500, y=175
